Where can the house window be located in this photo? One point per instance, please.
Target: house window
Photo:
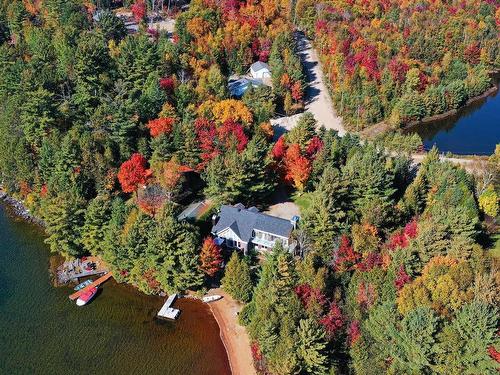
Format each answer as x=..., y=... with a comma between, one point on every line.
x=230, y=242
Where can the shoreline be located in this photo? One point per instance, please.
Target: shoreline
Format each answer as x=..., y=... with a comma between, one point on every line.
x=443, y=116
x=18, y=208
x=234, y=337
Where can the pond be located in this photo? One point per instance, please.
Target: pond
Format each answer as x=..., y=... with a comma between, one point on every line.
x=43, y=332
x=473, y=130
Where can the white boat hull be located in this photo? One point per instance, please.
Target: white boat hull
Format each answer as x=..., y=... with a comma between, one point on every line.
x=213, y=298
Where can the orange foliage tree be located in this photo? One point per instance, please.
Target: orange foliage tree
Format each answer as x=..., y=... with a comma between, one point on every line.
x=297, y=167
x=160, y=126
x=210, y=257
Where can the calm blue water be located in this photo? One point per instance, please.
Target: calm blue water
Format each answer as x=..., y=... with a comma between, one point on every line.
x=473, y=130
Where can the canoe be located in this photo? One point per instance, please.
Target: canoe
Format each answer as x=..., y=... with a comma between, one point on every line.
x=83, y=285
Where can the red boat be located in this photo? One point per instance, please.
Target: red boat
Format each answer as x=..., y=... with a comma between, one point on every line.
x=86, y=296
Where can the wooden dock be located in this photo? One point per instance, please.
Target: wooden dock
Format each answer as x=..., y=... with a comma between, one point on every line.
x=167, y=311
x=96, y=283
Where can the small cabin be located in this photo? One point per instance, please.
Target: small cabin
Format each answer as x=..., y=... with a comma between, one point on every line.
x=260, y=70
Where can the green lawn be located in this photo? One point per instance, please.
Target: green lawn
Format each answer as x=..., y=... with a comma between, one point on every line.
x=303, y=200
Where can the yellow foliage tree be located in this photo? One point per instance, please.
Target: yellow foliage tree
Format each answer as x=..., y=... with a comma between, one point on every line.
x=231, y=109
x=488, y=201
x=445, y=286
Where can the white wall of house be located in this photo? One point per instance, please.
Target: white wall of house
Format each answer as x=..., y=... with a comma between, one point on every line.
x=232, y=239
x=262, y=73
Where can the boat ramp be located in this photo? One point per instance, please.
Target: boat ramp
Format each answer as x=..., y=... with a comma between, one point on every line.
x=167, y=311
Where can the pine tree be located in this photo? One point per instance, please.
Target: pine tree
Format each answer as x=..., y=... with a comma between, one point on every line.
x=325, y=217
x=64, y=217
x=37, y=116
x=174, y=246
x=114, y=253
x=237, y=280
x=97, y=216
x=463, y=344
x=303, y=132
x=312, y=347
x=258, y=183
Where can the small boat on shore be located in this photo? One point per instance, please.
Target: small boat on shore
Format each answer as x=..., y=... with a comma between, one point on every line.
x=82, y=285
x=86, y=296
x=212, y=298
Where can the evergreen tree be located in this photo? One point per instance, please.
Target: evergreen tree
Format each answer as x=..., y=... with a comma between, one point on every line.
x=97, y=216
x=237, y=280
x=303, y=131
x=37, y=116
x=312, y=347
x=464, y=342
x=325, y=217
x=64, y=216
x=174, y=246
x=371, y=185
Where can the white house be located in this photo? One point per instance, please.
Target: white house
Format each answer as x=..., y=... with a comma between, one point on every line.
x=242, y=228
x=260, y=70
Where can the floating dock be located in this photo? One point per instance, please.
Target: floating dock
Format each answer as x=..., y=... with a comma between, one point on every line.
x=167, y=311
x=96, y=283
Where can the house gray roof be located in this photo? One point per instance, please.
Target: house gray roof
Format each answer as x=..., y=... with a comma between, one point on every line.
x=243, y=221
x=259, y=65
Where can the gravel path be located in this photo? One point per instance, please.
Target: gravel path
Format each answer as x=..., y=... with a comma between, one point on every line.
x=317, y=97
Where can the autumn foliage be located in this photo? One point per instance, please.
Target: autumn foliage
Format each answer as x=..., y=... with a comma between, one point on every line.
x=160, y=126
x=139, y=10
x=297, y=167
x=133, y=172
x=333, y=320
x=346, y=256
x=210, y=257
x=214, y=140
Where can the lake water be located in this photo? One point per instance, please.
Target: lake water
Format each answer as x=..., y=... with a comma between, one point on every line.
x=473, y=130
x=43, y=332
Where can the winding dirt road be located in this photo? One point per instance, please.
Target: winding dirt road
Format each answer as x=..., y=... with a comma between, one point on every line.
x=318, y=100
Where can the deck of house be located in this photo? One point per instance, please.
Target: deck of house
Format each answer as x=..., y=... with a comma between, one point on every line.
x=72, y=270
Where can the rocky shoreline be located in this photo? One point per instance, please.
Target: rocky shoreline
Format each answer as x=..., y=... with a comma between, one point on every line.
x=18, y=208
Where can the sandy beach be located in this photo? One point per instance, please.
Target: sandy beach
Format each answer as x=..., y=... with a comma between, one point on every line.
x=233, y=335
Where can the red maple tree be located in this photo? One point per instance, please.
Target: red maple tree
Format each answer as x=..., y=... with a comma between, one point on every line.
x=167, y=84
x=133, y=173
x=279, y=149
x=307, y=294
x=354, y=332
x=160, y=126
x=210, y=257
x=411, y=229
x=138, y=10
x=346, y=256
x=315, y=145
x=402, y=278
x=333, y=320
